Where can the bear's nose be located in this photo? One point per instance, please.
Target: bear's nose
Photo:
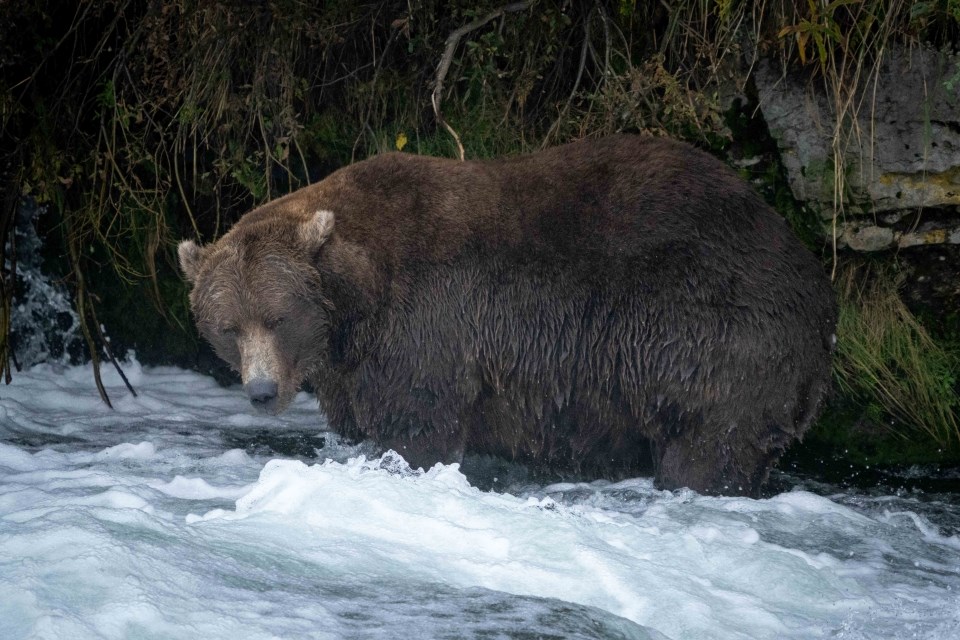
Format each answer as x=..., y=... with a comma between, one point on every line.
x=262, y=393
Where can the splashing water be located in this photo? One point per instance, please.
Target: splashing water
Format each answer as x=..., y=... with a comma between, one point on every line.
x=45, y=328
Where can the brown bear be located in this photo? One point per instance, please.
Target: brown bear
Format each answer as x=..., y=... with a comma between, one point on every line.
x=607, y=306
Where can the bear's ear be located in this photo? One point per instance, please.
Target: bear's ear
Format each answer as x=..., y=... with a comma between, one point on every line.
x=191, y=257
x=317, y=230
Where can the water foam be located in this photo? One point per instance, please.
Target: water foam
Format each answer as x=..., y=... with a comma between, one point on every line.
x=164, y=518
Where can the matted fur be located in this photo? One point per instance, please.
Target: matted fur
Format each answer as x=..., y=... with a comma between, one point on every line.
x=608, y=305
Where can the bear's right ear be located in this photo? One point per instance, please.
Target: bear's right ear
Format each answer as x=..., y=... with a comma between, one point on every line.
x=191, y=257
x=317, y=230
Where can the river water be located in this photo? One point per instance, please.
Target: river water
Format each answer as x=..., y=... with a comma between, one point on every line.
x=183, y=515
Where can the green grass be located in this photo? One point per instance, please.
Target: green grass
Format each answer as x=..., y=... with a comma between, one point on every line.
x=905, y=379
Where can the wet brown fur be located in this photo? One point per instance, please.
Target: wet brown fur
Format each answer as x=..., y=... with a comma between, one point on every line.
x=602, y=305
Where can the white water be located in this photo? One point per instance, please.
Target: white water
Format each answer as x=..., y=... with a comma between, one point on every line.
x=174, y=517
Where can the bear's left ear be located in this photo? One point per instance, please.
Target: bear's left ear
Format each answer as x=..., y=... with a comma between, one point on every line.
x=317, y=230
x=191, y=257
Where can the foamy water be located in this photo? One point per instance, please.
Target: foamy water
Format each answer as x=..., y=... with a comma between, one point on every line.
x=183, y=515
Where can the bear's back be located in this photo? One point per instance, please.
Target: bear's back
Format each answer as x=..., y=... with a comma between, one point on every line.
x=665, y=216
x=617, y=197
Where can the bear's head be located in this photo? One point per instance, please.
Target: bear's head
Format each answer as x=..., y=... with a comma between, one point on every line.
x=264, y=297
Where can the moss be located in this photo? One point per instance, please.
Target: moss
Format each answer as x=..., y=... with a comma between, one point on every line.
x=854, y=431
x=752, y=141
x=832, y=454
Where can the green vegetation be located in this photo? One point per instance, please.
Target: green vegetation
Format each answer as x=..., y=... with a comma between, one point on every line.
x=142, y=123
x=888, y=361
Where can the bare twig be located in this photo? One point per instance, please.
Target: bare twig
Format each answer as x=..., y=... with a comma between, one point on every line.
x=24, y=84
x=447, y=59
x=106, y=348
x=576, y=84
x=373, y=83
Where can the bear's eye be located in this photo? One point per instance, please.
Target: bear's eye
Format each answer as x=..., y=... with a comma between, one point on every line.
x=231, y=331
x=274, y=323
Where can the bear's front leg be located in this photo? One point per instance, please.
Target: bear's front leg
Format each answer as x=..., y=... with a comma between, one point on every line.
x=428, y=446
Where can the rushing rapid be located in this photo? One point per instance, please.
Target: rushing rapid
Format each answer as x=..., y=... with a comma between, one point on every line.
x=182, y=515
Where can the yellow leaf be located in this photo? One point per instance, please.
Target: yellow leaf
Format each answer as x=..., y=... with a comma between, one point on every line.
x=802, y=46
x=401, y=141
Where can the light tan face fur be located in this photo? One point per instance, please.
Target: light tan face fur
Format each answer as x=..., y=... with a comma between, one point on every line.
x=260, y=356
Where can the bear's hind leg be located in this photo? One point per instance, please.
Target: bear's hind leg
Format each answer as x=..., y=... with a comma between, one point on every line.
x=712, y=466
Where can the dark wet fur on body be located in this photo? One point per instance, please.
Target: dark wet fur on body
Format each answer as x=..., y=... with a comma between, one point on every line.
x=599, y=306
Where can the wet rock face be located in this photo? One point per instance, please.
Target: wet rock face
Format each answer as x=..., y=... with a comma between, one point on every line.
x=933, y=284
x=901, y=147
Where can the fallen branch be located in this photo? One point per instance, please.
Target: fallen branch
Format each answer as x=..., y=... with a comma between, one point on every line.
x=447, y=59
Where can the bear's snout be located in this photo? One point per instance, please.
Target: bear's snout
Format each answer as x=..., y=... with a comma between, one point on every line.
x=262, y=394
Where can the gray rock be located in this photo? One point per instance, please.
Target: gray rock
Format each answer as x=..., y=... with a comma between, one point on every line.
x=865, y=237
x=901, y=148
x=869, y=238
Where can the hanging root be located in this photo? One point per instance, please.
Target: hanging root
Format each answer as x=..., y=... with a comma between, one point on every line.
x=8, y=237
x=87, y=314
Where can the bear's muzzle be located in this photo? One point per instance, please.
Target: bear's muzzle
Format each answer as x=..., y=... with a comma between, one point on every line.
x=263, y=394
